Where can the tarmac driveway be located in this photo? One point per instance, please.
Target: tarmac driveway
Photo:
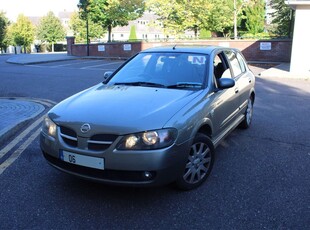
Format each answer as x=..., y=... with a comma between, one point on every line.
x=260, y=179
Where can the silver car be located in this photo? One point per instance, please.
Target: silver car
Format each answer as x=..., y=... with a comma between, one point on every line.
x=155, y=120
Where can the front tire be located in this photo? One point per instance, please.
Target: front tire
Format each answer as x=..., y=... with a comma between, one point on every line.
x=199, y=163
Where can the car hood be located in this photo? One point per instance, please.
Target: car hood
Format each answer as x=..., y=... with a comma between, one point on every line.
x=121, y=109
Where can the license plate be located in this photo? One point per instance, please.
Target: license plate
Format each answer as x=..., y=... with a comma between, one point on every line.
x=77, y=159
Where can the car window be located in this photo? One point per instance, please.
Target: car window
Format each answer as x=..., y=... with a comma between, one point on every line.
x=233, y=62
x=241, y=62
x=167, y=69
x=138, y=65
x=220, y=68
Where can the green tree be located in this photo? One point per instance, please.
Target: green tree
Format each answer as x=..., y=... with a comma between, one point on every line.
x=78, y=26
x=50, y=29
x=204, y=34
x=255, y=17
x=178, y=16
x=196, y=15
x=4, y=22
x=221, y=17
x=112, y=13
x=133, y=33
x=167, y=11
x=22, y=32
x=283, y=17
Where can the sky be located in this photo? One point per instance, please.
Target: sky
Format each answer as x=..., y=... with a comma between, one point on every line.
x=36, y=7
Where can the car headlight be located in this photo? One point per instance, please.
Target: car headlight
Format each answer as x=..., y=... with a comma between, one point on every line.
x=49, y=127
x=155, y=139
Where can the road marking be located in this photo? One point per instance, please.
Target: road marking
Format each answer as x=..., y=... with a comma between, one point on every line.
x=76, y=63
x=20, y=137
x=83, y=68
x=105, y=64
x=23, y=135
x=19, y=151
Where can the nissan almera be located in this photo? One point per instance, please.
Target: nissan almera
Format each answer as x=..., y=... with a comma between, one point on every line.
x=155, y=120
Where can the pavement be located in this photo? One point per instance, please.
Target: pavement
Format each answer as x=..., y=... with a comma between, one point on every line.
x=35, y=58
x=16, y=112
x=282, y=70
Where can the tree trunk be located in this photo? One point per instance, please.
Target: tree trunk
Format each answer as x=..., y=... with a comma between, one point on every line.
x=109, y=32
x=52, y=47
x=196, y=31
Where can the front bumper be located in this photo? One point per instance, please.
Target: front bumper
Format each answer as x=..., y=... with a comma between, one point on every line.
x=139, y=168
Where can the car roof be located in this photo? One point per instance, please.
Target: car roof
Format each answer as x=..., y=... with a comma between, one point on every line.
x=203, y=49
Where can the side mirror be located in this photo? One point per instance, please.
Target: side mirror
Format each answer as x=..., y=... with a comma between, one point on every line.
x=107, y=75
x=225, y=83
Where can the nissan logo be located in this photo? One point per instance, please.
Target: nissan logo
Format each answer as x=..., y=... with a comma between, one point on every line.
x=85, y=128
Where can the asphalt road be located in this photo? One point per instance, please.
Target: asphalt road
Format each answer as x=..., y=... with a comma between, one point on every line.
x=260, y=179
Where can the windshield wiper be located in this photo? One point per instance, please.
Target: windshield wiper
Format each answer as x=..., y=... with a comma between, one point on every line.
x=141, y=83
x=183, y=85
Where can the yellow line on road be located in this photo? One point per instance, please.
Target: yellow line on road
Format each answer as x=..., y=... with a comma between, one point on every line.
x=21, y=136
x=19, y=151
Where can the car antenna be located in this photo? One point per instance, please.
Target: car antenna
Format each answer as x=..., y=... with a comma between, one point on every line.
x=174, y=46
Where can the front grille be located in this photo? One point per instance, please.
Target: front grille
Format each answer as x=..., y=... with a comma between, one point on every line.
x=69, y=136
x=98, y=142
x=111, y=175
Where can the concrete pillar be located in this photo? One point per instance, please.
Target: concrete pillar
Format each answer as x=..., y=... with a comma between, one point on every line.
x=300, y=61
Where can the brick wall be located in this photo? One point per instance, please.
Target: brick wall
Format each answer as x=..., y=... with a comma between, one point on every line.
x=253, y=50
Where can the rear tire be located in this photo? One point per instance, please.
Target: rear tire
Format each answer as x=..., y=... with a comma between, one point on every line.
x=199, y=163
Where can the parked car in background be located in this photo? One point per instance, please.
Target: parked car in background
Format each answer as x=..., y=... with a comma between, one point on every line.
x=155, y=120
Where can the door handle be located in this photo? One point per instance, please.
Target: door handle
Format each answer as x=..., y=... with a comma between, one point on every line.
x=236, y=90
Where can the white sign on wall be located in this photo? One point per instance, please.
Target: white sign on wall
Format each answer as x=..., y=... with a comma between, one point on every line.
x=224, y=44
x=265, y=46
x=101, y=48
x=127, y=47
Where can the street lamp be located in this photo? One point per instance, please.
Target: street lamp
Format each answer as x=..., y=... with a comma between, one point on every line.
x=80, y=6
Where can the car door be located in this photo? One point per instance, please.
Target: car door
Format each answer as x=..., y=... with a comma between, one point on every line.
x=245, y=81
x=242, y=76
x=225, y=102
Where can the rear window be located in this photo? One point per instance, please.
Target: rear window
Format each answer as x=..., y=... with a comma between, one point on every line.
x=241, y=62
x=234, y=62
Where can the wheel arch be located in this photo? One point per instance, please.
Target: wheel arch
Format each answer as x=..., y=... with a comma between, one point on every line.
x=205, y=128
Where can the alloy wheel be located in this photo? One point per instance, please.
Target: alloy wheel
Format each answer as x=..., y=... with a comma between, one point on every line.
x=198, y=163
x=249, y=112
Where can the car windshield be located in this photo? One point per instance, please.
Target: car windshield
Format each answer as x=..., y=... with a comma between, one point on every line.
x=169, y=70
